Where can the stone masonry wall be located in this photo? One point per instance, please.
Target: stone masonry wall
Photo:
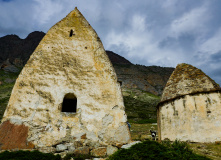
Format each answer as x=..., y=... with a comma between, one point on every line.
x=193, y=118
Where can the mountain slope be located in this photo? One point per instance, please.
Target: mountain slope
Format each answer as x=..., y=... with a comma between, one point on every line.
x=13, y=48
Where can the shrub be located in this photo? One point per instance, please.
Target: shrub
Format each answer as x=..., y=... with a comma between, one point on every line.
x=77, y=157
x=154, y=150
x=28, y=155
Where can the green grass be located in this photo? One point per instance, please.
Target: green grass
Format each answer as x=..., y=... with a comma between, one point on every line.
x=143, y=121
x=5, y=93
x=140, y=106
x=4, y=75
x=28, y=155
x=152, y=150
x=211, y=150
x=6, y=89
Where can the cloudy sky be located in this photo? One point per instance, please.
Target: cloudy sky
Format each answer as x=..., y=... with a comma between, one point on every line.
x=147, y=32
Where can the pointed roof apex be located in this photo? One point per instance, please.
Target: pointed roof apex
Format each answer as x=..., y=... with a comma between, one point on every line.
x=187, y=79
x=74, y=19
x=76, y=9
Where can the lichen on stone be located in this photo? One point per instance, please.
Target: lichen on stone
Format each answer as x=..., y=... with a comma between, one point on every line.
x=187, y=79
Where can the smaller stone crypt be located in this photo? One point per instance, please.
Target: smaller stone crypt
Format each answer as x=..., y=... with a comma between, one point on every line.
x=190, y=107
x=67, y=94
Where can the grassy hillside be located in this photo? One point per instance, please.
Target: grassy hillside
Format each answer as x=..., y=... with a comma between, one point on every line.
x=7, y=80
x=140, y=106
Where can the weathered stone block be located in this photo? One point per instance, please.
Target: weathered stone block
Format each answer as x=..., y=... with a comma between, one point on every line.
x=71, y=148
x=61, y=147
x=82, y=150
x=111, y=150
x=47, y=149
x=123, y=138
x=99, y=152
x=78, y=144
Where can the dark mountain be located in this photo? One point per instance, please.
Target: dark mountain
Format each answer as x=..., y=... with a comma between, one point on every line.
x=151, y=79
x=15, y=52
x=117, y=59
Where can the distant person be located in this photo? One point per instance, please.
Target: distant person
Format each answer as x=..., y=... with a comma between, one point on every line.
x=153, y=134
x=129, y=126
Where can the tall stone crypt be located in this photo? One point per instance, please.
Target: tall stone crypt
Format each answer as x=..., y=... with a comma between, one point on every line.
x=66, y=93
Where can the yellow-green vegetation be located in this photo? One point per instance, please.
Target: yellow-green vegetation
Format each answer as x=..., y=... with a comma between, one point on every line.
x=140, y=106
x=153, y=150
x=211, y=150
x=142, y=131
x=7, y=80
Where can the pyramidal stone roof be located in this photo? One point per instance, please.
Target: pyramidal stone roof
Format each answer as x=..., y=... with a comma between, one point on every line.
x=67, y=91
x=187, y=79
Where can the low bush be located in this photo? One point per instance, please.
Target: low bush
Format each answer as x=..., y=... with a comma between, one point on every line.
x=152, y=150
x=28, y=155
x=77, y=157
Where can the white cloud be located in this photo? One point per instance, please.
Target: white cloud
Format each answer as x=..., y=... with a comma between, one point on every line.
x=45, y=10
x=191, y=22
x=169, y=4
x=212, y=44
x=138, y=23
x=15, y=17
x=22, y=17
x=164, y=32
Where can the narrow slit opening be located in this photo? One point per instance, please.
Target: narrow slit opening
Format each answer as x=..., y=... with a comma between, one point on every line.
x=71, y=33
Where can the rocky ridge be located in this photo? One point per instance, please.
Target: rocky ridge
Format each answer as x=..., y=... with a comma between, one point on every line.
x=16, y=50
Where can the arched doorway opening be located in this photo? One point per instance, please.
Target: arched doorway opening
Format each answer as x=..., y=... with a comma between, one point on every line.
x=69, y=103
